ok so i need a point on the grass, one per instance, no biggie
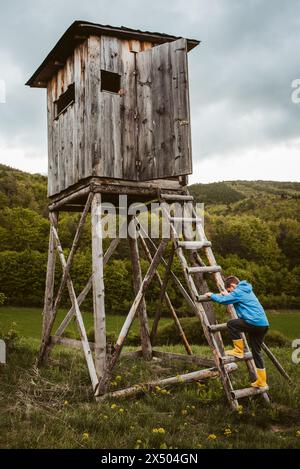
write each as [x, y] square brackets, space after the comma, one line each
[29, 321]
[54, 407]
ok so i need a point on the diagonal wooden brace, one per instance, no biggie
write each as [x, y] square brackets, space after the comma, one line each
[131, 315]
[48, 322]
[81, 327]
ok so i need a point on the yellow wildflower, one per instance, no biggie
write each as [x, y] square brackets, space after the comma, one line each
[113, 406]
[66, 402]
[212, 436]
[85, 436]
[298, 433]
[159, 430]
[121, 410]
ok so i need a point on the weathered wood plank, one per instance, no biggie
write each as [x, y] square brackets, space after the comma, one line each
[179, 379]
[181, 107]
[49, 295]
[93, 122]
[111, 54]
[128, 113]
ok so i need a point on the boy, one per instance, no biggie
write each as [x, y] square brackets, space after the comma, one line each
[251, 319]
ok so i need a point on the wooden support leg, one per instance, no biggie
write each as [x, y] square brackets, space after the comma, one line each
[142, 312]
[98, 287]
[49, 291]
[131, 315]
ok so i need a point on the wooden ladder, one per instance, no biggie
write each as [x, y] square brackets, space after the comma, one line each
[188, 252]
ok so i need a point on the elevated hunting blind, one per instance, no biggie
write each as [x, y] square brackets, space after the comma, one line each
[118, 105]
[119, 124]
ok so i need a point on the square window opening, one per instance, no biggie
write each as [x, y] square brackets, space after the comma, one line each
[65, 100]
[110, 82]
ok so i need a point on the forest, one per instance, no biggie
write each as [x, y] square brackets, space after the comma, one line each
[254, 228]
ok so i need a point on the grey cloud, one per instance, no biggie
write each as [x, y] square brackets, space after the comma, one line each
[240, 76]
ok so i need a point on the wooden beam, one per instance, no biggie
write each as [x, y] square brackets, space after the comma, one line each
[69, 198]
[98, 287]
[179, 379]
[49, 291]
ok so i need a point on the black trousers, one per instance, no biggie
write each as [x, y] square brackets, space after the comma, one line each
[255, 334]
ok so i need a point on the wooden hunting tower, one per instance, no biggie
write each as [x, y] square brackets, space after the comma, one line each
[118, 106]
[119, 124]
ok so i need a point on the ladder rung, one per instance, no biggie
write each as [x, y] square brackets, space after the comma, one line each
[202, 298]
[177, 197]
[186, 219]
[246, 392]
[194, 244]
[231, 359]
[217, 327]
[210, 269]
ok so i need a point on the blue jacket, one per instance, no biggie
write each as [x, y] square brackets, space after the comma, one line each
[246, 304]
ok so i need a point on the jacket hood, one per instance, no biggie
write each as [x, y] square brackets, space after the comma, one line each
[245, 286]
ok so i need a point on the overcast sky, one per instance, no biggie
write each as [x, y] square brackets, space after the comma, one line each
[244, 123]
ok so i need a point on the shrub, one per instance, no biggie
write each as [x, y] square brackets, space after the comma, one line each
[276, 339]
[169, 335]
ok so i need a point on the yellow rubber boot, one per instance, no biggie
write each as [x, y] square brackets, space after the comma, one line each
[261, 381]
[238, 350]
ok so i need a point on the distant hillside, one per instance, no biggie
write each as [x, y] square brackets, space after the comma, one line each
[269, 200]
[20, 189]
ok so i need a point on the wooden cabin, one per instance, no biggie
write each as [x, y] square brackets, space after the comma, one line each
[118, 106]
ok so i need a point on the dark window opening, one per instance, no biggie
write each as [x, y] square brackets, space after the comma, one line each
[110, 81]
[65, 100]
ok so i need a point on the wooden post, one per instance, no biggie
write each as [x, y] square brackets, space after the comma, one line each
[142, 312]
[98, 287]
[49, 292]
[173, 380]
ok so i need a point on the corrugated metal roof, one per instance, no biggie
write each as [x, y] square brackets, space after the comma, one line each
[81, 29]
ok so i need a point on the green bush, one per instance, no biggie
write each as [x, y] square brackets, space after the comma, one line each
[169, 335]
[276, 339]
